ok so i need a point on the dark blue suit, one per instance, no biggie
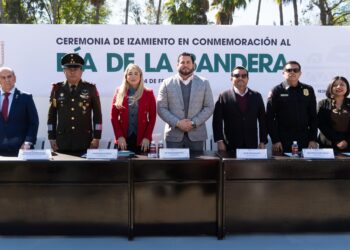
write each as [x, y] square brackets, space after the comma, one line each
[22, 124]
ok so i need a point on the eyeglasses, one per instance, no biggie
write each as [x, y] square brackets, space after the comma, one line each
[295, 70]
[243, 76]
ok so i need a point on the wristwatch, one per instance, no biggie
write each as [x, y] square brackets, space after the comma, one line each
[193, 124]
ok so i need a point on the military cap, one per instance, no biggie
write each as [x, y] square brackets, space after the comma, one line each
[72, 60]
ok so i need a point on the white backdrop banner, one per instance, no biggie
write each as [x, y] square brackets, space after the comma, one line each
[34, 52]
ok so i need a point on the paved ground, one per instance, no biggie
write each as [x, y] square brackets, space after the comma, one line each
[241, 242]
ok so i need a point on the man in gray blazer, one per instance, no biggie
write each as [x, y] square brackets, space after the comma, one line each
[185, 102]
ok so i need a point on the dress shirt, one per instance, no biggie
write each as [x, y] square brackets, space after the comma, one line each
[10, 97]
[239, 93]
[187, 81]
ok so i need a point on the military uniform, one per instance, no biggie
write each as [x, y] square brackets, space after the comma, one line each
[70, 121]
[291, 114]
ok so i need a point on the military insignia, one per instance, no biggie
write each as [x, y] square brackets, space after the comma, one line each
[84, 94]
[54, 102]
[61, 97]
[306, 92]
[84, 97]
[80, 104]
[284, 95]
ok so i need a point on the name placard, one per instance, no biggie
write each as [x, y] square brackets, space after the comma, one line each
[251, 153]
[34, 154]
[321, 153]
[102, 154]
[174, 153]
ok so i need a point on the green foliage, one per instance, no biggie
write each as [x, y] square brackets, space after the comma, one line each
[187, 12]
[226, 9]
[150, 12]
[332, 12]
[14, 11]
[135, 11]
[55, 11]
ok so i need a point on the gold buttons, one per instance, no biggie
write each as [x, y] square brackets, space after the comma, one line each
[73, 127]
[72, 118]
[72, 109]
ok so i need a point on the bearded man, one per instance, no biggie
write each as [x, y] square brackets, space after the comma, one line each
[185, 103]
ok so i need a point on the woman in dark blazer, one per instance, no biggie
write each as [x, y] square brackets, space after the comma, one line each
[334, 116]
[133, 112]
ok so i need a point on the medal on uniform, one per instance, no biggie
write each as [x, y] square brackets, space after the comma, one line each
[84, 94]
[306, 92]
[54, 102]
[61, 97]
[80, 104]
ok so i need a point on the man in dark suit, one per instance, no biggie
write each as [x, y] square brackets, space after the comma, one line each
[75, 117]
[19, 119]
[236, 114]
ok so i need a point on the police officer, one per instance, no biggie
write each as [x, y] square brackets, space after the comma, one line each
[75, 118]
[291, 112]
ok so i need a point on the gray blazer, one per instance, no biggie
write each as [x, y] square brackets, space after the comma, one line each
[170, 107]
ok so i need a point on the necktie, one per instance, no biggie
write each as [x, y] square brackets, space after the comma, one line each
[72, 89]
[5, 106]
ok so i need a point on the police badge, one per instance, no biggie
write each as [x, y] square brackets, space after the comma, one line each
[306, 92]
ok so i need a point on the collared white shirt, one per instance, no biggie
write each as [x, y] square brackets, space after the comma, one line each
[12, 92]
[187, 81]
[287, 86]
[239, 93]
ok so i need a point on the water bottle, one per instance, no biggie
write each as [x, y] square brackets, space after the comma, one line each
[160, 145]
[295, 149]
[152, 149]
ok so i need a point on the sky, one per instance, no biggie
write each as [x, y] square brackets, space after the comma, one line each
[269, 14]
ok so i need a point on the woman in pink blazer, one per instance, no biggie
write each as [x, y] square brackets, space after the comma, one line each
[133, 112]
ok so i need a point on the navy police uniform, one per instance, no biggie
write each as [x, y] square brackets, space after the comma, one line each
[75, 117]
[291, 115]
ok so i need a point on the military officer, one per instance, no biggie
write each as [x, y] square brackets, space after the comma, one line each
[291, 112]
[75, 118]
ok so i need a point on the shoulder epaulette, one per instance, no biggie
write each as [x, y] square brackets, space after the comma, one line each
[56, 86]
